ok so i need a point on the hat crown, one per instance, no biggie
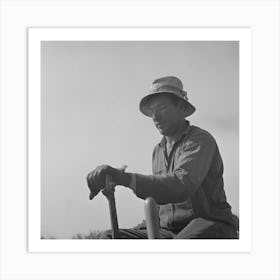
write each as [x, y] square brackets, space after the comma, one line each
[169, 84]
[169, 81]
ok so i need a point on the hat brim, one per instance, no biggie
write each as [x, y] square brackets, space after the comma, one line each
[144, 104]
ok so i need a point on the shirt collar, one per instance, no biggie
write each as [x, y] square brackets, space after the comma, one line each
[184, 132]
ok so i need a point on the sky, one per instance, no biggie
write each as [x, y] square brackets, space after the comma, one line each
[90, 94]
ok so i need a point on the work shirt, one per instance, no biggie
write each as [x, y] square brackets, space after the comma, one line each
[187, 183]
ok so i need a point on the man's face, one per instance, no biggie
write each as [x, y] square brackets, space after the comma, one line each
[166, 115]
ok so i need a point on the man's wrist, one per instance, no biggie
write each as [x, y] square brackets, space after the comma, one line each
[120, 177]
[129, 180]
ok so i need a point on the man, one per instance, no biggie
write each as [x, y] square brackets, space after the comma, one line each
[187, 181]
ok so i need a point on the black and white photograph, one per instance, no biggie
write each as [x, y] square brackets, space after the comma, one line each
[139, 134]
[152, 127]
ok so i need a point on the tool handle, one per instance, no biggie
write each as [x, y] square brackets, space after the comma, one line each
[109, 192]
[110, 189]
[152, 218]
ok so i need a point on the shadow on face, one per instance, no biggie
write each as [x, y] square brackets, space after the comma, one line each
[167, 113]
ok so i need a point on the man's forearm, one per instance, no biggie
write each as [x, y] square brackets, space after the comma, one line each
[166, 188]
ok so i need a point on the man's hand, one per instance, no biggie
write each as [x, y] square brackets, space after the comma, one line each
[96, 178]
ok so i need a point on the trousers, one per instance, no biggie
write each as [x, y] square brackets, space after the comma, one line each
[198, 228]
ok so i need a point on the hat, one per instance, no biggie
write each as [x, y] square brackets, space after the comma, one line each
[169, 84]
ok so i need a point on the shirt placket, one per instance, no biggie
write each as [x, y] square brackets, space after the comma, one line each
[169, 161]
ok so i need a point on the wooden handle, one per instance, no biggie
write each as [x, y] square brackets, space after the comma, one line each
[112, 206]
[109, 193]
[152, 218]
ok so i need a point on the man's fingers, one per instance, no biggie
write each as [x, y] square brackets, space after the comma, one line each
[94, 190]
[89, 180]
[93, 193]
[88, 177]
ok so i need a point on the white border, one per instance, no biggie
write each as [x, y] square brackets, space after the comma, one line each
[243, 35]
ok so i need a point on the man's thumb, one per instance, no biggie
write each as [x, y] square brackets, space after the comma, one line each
[123, 168]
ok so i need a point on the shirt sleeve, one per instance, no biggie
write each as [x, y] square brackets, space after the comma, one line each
[190, 169]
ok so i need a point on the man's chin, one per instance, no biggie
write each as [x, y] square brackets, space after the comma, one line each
[162, 131]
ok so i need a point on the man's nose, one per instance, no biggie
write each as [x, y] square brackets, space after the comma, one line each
[156, 116]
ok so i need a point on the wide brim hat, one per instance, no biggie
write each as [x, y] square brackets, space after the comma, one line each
[171, 85]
